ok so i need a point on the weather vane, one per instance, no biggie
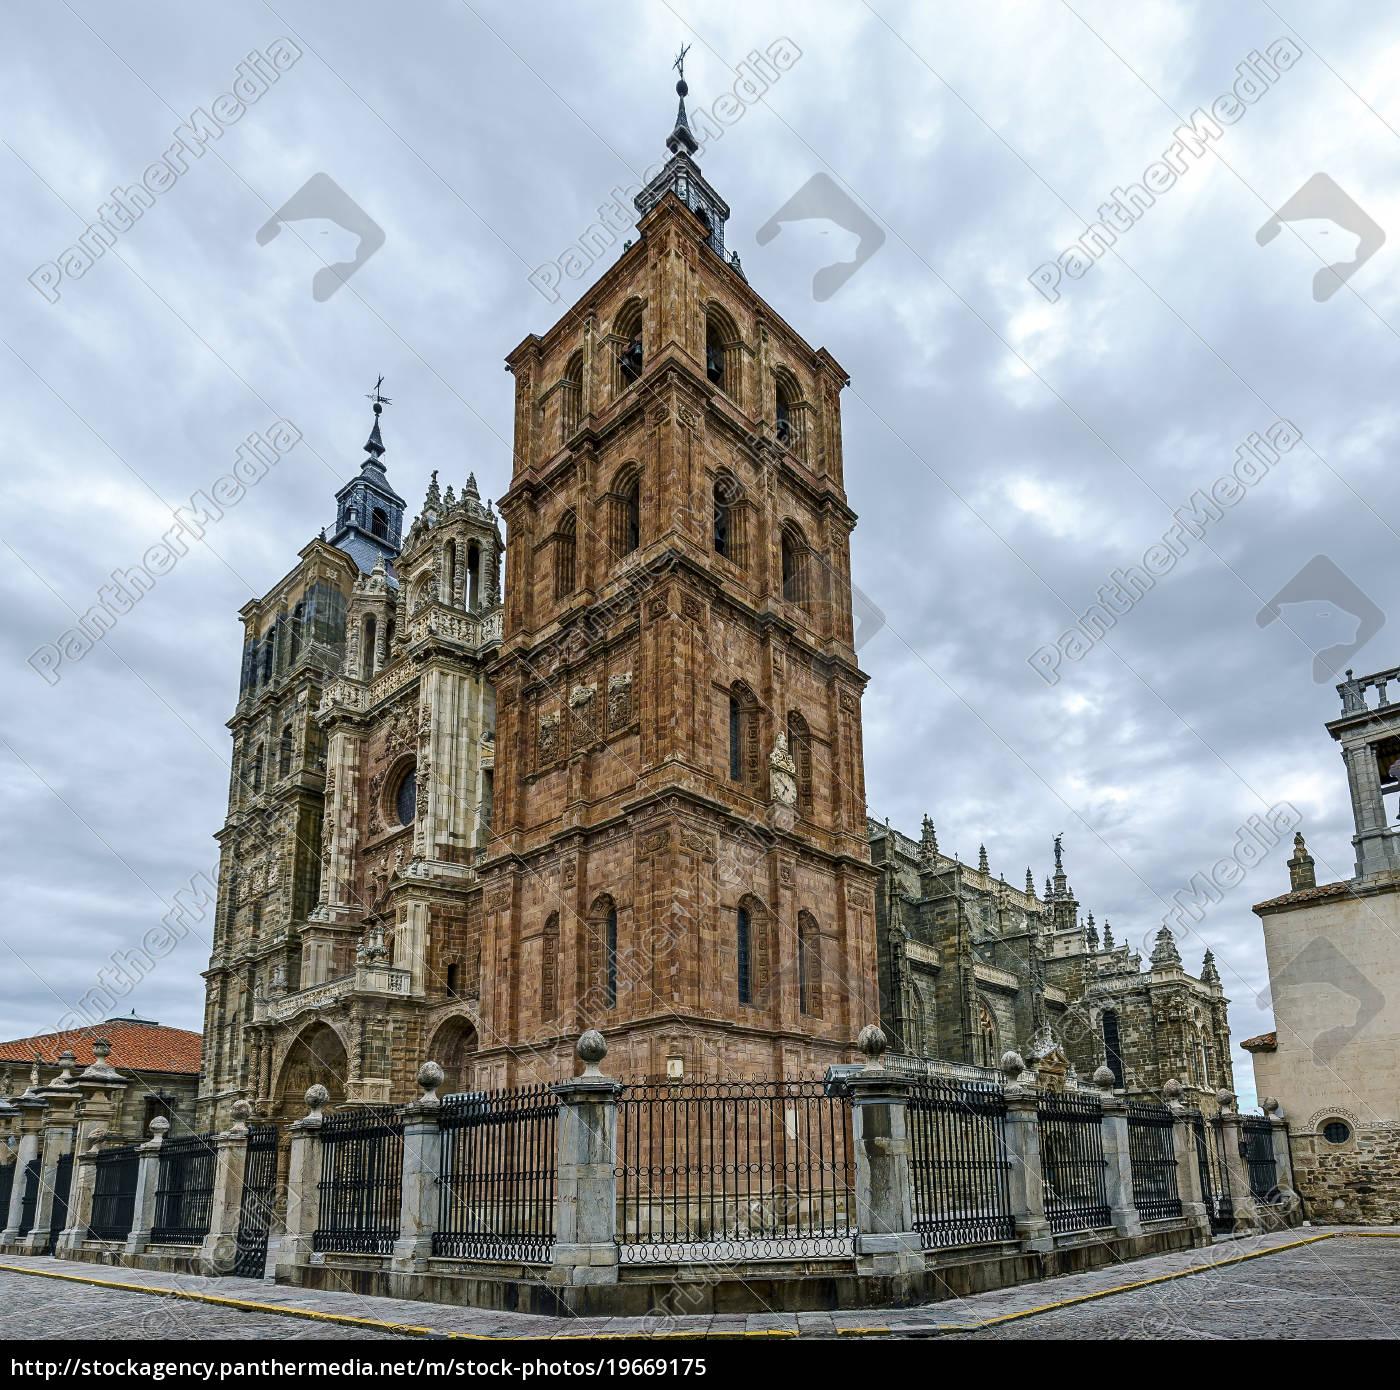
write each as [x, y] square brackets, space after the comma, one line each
[679, 64]
[378, 396]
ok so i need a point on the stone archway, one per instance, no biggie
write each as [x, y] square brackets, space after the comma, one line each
[316, 1057]
[453, 1048]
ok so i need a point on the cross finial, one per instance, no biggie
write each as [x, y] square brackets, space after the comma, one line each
[377, 395]
[679, 64]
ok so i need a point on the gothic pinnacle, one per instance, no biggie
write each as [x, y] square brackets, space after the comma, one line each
[982, 859]
[1030, 882]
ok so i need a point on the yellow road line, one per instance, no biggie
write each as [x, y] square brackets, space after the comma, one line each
[410, 1330]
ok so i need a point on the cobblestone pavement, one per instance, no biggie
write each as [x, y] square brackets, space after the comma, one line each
[1330, 1288]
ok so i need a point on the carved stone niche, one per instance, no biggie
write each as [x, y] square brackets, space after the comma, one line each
[619, 701]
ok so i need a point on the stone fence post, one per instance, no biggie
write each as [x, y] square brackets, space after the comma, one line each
[422, 1162]
[1289, 1201]
[31, 1121]
[1025, 1180]
[585, 1230]
[1118, 1158]
[143, 1216]
[1188, 1164]
[303, 1190]
[886, 1242]
[100, 1084]
[57, 1143]
[1232, 1137]
[219, 1250]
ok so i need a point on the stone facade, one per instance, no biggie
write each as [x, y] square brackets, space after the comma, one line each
[971, 967]
[1333, 1061]
[629, 793]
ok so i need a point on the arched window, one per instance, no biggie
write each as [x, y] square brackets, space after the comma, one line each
[368, 642]
[473, 576]
[800, 746]
[565, 544]
[743, 945]
[729, 518]
[549, 964]
[269, 650]
[571, 398]
[599, 983]
[625, 513]
[610, 958]
[721, 360]
[406, 798]
[379, 523]
[795, 565]
[627, 334]
[809, 965]
[284, 753]
[743, 734]
[915, 1026]
[257, 769]
[294, 634]
[787, 414]
[449, 570]
[1113, 1055]
[986, 1036]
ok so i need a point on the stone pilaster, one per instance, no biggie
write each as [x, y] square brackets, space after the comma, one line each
[1025, 1184]
[303, 1195]
[143, 1216]
[56, 1144]
[1232, 1140]
[219, 1249]
[585, 1245]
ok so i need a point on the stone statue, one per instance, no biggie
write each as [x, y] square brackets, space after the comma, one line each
[782, 773]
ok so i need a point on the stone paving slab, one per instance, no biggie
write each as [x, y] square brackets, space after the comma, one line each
[1313, 1279]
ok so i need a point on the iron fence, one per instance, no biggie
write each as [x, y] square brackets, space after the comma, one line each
[361, 1177]
[496, 1175]
[58, 1212]
[7, 1187]
[257, 1202]
[958, 1163]
[733, 1170]
[1214, 1171]
[29, 1203]
[1152, 1151]
[114, 1193]
[1072, 1160]
[1257, 1150]
[185, 1190]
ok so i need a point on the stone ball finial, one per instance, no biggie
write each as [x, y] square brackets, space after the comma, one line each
[101, 1049]
[591, 1047]
[1225, 1099]
[430, 1077]
[872, 1041]
[1171, 1090]
[159, 1126]
[316, 1097]
[1268, 1105]
[1012, 1065]
[1104, 1078]
[242, 1111]
[94, 1141]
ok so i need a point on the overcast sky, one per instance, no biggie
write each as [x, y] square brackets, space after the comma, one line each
[1006, 454]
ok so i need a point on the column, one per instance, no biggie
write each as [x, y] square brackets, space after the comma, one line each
[101, 1085]
[31, 1110]
[56, 1143]
[422, 1162]
[143, 1217]
[219, 1250]
[1024, 1180]
[1232, 1136]
[1118, 1160]
[303, 1192]
[886, 1242]
[1188, 1165]
[585, 1243]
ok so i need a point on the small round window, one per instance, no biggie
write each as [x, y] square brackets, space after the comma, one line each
[1336, 1131]
[407, 800]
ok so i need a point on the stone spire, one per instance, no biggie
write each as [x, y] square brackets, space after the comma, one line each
[1030, 882]
[1108, 942]
[1301, 872]
[1164, 953]
[1091, 932]
[470, 491]
[982, 859]
[369, 513]
[681, 140]
[928, 842]
[1209, 974]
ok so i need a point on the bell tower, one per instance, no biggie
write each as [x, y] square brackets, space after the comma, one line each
[678, 852]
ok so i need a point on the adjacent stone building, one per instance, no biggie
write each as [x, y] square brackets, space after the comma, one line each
[627, 794]
[1333, 1059]
[971, 967]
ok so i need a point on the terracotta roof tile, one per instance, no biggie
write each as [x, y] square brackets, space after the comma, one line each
[1304, 895]
[1265, 1042]
[135, 1047]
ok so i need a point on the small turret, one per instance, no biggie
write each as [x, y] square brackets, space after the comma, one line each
[1302, 873]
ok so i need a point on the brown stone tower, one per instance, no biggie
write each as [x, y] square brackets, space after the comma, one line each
[678, 852]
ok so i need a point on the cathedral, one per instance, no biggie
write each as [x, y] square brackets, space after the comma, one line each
[485, 797]
[971, 967]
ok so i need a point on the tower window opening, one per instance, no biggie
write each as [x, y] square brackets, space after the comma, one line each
[743, 950]
[736, 733]
[473, 576]
[370, 641]
[379, 523]
[1112, 1046]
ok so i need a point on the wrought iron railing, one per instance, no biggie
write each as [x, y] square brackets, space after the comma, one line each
[733, 1170]
[1152, 1151]
[184, 1190]
[361, 1177]
[29, 1203]
[114, 1193]
[1257, 1150]
[58, 1212]
[496, 1177]
[1072, 1160]
[1214, 1171]
[7, 1187]
[958, 1163]
[257, 1203]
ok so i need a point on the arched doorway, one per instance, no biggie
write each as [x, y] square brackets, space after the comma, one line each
[317, 1057]
[454, 1050]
